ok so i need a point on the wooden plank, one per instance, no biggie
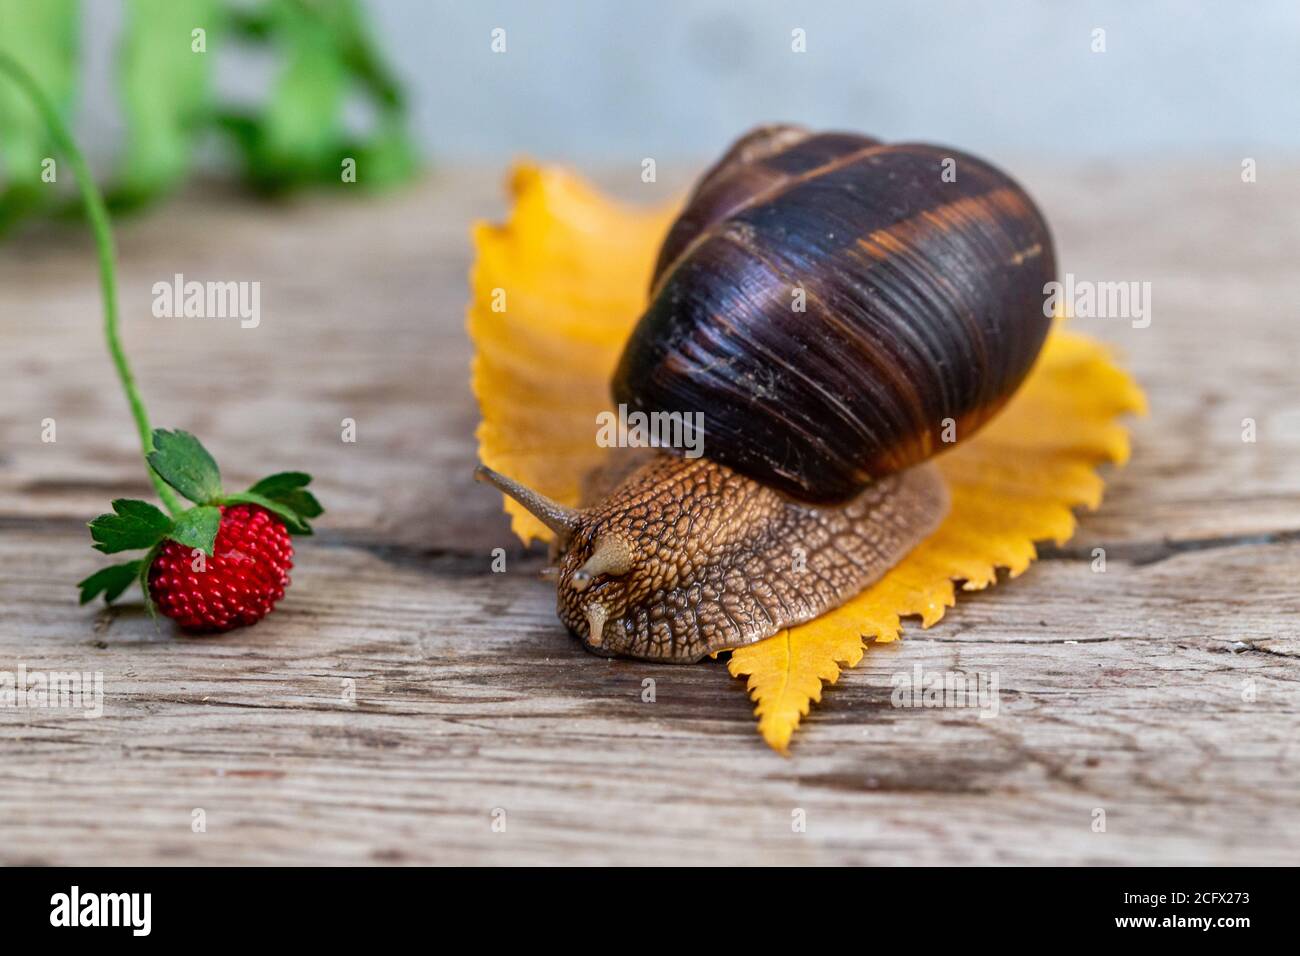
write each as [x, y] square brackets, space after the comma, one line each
[1177, 711]
[471, 698]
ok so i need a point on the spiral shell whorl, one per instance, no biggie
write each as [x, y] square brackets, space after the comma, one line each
[923, 307]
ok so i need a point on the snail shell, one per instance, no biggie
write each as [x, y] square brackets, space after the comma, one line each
[834, 305]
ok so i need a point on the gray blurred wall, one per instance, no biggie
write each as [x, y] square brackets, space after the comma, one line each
[618, 81]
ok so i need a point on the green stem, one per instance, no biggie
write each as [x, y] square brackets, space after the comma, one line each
[99, 226]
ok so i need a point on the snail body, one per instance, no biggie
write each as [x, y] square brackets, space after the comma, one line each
[839, 311]
[686, 557]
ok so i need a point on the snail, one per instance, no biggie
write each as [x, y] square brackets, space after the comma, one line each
[839, 310]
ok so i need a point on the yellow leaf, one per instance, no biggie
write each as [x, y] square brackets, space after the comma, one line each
[1014, 483]
[555, 292]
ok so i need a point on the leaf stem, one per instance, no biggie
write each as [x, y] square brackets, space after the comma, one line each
[103, 233]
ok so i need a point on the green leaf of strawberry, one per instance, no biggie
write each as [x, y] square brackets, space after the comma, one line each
[289, 488]
[182, 461]
[197, 528]
[136, 524]
[302, 501]
[285, 495]
[292, 519]
[111, 581]
[273, 486]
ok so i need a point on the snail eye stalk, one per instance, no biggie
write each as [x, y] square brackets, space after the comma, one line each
[610, 555]
[563, 521]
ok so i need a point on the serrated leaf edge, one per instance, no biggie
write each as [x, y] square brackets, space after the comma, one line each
[85, 598]
[152, 457]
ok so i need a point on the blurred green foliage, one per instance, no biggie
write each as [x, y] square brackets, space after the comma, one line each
[166, 91]
[42, 37]
[325, 59]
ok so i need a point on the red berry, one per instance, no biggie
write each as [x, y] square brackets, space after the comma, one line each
[239, 585]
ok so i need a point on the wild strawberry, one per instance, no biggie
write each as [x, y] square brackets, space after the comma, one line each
[220, 564]
[237, 586]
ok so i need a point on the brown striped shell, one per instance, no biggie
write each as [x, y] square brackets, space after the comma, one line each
[837, 308]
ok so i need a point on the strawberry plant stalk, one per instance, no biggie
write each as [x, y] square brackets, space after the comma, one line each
[103, 233]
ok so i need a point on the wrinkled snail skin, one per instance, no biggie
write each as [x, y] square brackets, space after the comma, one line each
[696, 558]
[682, 558]
[922, 313]
[922, 307]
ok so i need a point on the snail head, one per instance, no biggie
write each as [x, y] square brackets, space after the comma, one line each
[600, 572]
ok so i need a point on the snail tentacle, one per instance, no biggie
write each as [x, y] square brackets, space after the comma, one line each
[596, 615]
[611, 554]
[563, 521]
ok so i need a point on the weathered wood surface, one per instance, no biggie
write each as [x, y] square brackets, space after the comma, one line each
[1165, 691]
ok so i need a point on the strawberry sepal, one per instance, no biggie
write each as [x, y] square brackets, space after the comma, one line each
[133, 524]
[180, 459]
[110, 581]
[197, 528]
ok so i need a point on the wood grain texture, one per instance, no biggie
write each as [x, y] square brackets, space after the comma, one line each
[1165, 691]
